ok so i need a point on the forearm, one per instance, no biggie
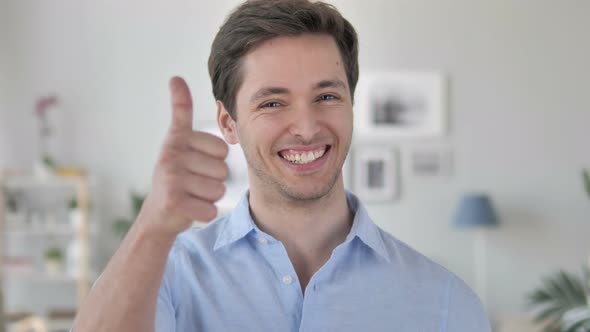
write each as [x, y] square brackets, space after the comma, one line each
[188, 179]
[125, 296]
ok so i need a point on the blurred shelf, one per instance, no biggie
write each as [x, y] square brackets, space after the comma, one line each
[54, 321]
[47, 222]
[31, 182]
[57, 230]
[60, 325]
[42, 276]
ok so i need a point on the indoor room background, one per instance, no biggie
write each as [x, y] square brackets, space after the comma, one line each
[517, 116]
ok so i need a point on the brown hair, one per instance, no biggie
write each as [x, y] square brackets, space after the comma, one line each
[256, 21]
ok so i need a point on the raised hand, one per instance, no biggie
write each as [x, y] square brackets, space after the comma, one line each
[189, 175]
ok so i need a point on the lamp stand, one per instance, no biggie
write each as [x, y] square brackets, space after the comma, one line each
[479, 263]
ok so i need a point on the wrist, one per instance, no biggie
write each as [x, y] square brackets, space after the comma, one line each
[152, 229]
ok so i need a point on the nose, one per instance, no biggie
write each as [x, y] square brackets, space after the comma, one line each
[304, 123]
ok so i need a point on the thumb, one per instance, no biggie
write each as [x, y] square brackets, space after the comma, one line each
[182, 105]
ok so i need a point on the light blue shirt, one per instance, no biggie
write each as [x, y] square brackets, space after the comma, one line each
[230, 276]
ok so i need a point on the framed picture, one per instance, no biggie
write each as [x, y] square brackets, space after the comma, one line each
[431, 161]
[376, 173]
[400, 105]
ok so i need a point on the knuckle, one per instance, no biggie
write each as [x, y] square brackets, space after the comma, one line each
[210, 211]
[175, 141]
[174, 138]
[167, 157]
[222, 190]
[202, 212]
[224, 149]
[224, 171]
[217, 190]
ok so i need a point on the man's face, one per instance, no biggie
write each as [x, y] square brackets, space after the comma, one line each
[294, 116]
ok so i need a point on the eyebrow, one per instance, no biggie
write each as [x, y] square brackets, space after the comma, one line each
[268, 91]
[334, 83]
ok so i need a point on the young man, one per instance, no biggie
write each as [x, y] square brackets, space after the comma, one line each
[298, 253]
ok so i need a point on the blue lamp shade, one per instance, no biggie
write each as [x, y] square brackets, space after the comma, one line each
[475, 210]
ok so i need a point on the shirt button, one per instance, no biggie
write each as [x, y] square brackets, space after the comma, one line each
[287, 280]
[262, 240]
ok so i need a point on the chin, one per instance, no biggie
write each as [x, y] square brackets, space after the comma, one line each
[303, 196]
[309, 192]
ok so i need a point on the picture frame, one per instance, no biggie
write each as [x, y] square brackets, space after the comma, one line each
[431, 161]
[376, 173]
[400, 104]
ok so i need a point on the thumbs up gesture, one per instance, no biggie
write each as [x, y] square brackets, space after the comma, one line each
[190, 171]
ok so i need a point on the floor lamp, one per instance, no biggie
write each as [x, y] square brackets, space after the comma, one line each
[475, 211]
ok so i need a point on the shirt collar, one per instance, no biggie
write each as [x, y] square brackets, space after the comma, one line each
[364, 228]
[237, 225]
[240, 223]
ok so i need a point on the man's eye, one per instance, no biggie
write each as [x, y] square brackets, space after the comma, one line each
[271, 104]
[327, 97]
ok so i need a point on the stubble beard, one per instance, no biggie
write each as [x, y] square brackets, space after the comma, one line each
[272, 185]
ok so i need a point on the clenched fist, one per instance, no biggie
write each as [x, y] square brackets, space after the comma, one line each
[190, 172]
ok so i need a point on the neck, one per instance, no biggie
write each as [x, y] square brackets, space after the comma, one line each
[309, 229]
[314, 222]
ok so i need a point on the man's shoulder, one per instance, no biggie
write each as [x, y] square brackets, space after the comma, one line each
[419, 269]
[199, 239]
[417, 266]
[407, 258]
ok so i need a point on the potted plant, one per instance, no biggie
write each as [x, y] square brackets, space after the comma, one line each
[74, 213]
[563, 301]
[122, 225]
[54, 258]
[73, 251]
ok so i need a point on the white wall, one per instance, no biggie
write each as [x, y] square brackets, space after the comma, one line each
[4, 86]
[519, 112]
[520, 130]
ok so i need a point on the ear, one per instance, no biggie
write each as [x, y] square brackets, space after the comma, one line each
[226, 124]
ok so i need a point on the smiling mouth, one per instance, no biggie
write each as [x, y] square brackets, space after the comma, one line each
[303, 157]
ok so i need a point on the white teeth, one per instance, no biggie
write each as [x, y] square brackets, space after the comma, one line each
[304, 157]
